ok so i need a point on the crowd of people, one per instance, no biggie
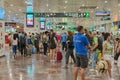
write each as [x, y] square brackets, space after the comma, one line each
[82, 47]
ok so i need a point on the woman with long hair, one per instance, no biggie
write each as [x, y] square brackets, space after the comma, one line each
[69, 47]
[53, 45]
[14, 45]
[117, 50]
[107, 52]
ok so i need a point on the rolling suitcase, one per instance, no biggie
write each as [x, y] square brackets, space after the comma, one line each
[59, 56]
[29, 50]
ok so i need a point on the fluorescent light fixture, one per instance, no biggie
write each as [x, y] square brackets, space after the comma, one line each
[9, 11]
[47, 5]
[79, 9]
[11, 5]
[66, 1]
[83, 4]
[20, 9]
[97, 7]
[106, 1]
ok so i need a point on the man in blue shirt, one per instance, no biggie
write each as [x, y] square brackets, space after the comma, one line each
[64, 39]
[81, 45]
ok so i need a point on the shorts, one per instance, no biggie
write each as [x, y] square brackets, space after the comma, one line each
[108, 57]
[52, 46]
[81, 61]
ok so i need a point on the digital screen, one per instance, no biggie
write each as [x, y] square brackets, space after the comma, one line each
[29, 8]
[102, 13]
[42, 19]
[30, 19]
[2, 14]
[42, 25]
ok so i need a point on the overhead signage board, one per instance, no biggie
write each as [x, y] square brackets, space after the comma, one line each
[75, 15]
[30, 20]
[102, 13]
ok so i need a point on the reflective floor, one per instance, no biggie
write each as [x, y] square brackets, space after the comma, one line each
[38, 67]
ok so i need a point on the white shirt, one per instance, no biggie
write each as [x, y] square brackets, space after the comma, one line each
[15, 42]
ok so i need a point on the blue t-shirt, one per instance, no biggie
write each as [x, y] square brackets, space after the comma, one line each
[64, 38]
[80, 43]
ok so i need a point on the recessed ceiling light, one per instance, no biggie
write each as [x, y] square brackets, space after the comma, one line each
[79, 9]
[97, 7]
[11, 5]
[20, 9]
[118, 4]
[106, 1]
[109, 9]
[16, 14]
[66, 1]
[64, 7]
[47, 5]
[9, 11]
[83, 4]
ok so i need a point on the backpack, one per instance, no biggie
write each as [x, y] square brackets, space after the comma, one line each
[23, 40]
[29, 41]
[100, 42]
[70, 43]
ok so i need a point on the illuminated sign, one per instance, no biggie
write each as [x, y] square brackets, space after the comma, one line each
[75, 15]
[2, 14]
[29, 8]
[42, 25]
[30, 20]
[102, 13]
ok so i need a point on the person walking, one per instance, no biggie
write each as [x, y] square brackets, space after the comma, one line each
[106, 52]
[14, 45]
[64, 39]
[53, 45]
[45, 42]
[70, 48]
[117, 51]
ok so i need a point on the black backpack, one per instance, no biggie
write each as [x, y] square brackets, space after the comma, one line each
[100, 42]
[23, 40]
[70, 42]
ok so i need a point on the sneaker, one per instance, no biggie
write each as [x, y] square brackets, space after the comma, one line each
[65, 67]
[112, 79]
[115, 62]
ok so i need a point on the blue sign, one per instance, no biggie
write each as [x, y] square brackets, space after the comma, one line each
[2, 14]
[42, 19]
[29, 8]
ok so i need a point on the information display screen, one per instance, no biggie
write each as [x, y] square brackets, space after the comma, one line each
[42, 25]
[30, 20]
[102, 13]
[29, 8]
[2, 14]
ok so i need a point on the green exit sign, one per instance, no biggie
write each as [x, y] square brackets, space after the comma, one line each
[87, 15]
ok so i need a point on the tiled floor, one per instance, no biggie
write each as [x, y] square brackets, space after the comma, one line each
[38, 67]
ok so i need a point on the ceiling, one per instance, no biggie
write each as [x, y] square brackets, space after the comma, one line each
[16, 8]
